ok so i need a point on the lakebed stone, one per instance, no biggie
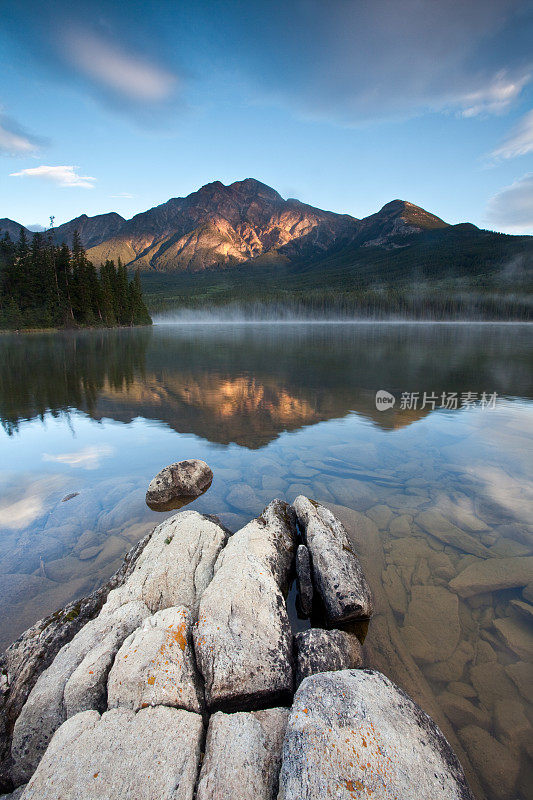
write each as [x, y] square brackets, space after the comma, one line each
[337, 573]
[431, 624]
[441, 528]
[318, 650]
[155, 665]
[243, 755]
[492, 575]
[497, 767]
[151, 755]
[179, 483]
[242, 639]
[355, 734]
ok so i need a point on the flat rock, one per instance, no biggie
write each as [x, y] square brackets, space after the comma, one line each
[355, 734]
[432, 620]
[319, 650]
[173, 569]
[50, 701]
[495, 765]
[243, 755]
[303, 580]
[524, 609]
[493, 575]
[179, 483]
[243, 640]
[151, 755]
[441, 528]
[521, 674]
[337, 573]
[156, 666]
[462, 712]
[517, 636]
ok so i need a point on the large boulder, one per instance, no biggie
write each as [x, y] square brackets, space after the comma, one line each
[492, 575]
[151, 755]
[33, 652]
[156, 665]
[176, 565]
[337, 573]
[243, 755]
[243, 639]
[47, 708]
[173, 569]
[318, 650]
[355, 734]
[304, 580]
[178, 484]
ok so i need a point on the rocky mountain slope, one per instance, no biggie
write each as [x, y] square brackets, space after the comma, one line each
[222, 226]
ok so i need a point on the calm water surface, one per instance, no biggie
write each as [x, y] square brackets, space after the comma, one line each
[278, 410]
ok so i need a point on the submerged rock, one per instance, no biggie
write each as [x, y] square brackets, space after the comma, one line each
[318, 650]
[178, 484]
[156, 666]
[337, 573]
[493, 575]
[441, 528]
[243, 639]
[151, 755]
[431, 624]
[303, 580]
[243, 755]
[355, 734]
[495, 764]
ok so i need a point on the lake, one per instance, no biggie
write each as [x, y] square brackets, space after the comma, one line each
[435, 485]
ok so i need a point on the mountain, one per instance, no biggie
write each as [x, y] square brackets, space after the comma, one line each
[13, 228]
[248, 227]
[221, 226]
[92, 230]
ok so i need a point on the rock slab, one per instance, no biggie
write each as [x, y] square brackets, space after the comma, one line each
[151, 755]
[156, 666]
[179, 483]
[492, 575]
[337, 573]
[243, 755]
[318, 650]
[355, 734]
[243, 639]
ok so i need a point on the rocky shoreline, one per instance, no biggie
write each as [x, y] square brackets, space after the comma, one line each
[182, 677]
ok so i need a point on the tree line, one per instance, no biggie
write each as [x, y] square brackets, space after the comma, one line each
[43, 285]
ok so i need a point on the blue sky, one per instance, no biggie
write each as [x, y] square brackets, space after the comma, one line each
[345, 105]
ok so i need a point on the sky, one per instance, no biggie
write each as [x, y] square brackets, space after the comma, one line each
[344, 104]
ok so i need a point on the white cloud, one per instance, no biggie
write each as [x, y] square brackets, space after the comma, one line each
[520, 140]
[62, 176]
[496, 97]
[126, 195]
[511, 209]
[87, 458]
[21, 513]
[112, 67]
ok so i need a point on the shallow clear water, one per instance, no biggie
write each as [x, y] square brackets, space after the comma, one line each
[278, 410]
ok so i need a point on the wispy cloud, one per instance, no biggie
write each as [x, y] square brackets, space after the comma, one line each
[62, 176]
[520, 140]
[511, 209]
[126, 195]
[88, 457]
[115, 68]
[15, 141]
[496, 96]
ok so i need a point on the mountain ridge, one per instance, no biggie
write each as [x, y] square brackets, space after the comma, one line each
[249, 224]
[220, 226]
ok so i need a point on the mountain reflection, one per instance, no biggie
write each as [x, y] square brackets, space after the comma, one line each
[247, 384]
